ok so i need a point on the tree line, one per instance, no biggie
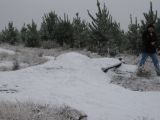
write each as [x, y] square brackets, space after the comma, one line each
[102, 35]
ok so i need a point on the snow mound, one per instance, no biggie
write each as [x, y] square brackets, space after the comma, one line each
[79, 67]
[73, 58]
[7, 51]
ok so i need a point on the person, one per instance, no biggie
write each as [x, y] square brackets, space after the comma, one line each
[149, 45]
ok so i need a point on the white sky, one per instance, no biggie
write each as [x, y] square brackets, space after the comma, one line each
[23, 11]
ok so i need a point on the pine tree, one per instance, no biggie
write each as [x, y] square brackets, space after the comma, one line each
[48, 26]
[134, 36]
[80, 32]
[24, 33]
[64, 32]
[103, 30]
[4, 35]
[1, 37]
[150, 17]
[158, 30]
[32, 39]
[10, 34]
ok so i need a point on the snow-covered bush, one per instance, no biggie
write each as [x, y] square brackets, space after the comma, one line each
[32, 111]
[16, 65]
[20, 59]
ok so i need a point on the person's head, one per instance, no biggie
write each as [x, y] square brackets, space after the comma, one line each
[150, 28]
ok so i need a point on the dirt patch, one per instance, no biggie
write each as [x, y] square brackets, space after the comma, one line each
[129, 79]
[146, 82]
[137, 84]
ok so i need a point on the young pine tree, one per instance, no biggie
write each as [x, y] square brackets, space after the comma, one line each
[24, 33]
[10, 34]
[64, 32]
[32, 39]
[48, 26]
[80, 32]
[150, 17]
[158, 30]
[134, 36]
[103, 30]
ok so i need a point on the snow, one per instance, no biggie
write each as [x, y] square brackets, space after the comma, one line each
[77, 80]
[10, 52]
[8, 64]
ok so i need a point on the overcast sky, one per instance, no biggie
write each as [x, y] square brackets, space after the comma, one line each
[23, 11]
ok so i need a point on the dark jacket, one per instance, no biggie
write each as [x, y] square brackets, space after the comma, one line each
[147, 41]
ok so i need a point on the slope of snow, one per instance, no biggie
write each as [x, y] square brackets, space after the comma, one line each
[77, 80]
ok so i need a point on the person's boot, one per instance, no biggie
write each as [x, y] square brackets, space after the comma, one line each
[158, 72]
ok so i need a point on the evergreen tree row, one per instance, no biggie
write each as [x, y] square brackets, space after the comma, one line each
[102, 35]
[134, 33]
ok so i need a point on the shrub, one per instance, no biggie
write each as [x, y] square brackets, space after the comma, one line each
[32, 111]
[49, 44]
[16, 65]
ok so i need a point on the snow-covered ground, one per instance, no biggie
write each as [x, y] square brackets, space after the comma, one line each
[78, 81]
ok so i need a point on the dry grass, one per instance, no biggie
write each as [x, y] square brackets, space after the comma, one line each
[31, 111]
[21, 59]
